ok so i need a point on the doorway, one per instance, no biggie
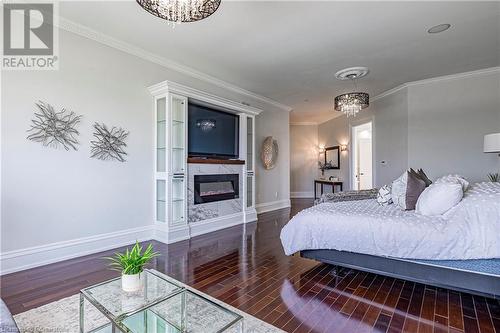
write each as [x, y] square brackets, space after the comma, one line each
[362, 156]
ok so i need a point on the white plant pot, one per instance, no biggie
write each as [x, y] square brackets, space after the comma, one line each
[131, 282]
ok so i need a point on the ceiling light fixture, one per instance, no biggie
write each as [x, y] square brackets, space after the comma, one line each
[179, 11]
[351, 103]
[439, 28]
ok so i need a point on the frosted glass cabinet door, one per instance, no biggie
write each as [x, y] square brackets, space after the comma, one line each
[161, 136]
[249, 161]
[161, 200]
[178, 134]
[249, 191]
[178, 201]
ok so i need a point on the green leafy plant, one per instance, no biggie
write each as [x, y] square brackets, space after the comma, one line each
[324, 166]
[494, 177]
[132, 261]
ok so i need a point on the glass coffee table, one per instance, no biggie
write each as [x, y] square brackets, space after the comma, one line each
[161, 306]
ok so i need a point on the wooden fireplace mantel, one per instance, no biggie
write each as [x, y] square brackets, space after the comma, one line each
[198, 160]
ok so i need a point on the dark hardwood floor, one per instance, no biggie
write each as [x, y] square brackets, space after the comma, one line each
[246, 267]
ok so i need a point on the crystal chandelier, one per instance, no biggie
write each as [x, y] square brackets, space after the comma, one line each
[351, 103]
[179, 11]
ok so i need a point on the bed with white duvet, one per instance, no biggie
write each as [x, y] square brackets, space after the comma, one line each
[470, 230]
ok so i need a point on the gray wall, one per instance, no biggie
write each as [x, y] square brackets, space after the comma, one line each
[51, 195]
[335, 132]
[390, 132]
[437, 125]
[303, 159]
[273, 185]
[391, 136]
[447, 122]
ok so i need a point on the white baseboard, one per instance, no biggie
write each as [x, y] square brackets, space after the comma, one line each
[273, 205]
[218, 223]
[173, 235]
[297, 195]
[18, 260]
[250, 215]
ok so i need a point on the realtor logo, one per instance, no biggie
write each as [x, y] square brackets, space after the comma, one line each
[29, 36]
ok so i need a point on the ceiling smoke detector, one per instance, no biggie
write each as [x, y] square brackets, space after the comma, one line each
[352, 73]
[439, 28]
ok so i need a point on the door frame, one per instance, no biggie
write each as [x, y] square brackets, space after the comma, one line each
[352, 124]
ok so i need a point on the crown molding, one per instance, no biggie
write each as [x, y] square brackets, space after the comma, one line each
[437, 79]
[165, 87]
[99, 37]
[303, 123]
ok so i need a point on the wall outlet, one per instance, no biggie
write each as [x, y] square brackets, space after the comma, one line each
[276, 195]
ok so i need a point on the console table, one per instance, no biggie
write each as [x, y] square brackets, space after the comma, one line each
[323, 182]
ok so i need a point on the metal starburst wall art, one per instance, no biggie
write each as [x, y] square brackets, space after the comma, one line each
[109, 144]
[54, 129]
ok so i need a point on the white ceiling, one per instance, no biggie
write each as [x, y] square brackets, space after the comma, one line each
[289, 50]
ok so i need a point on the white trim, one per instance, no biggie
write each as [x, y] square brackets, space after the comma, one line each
[22, 259]
[304, 123]
[436, 79]
[218, 223]
[273, 205]
[171, 234]
[17, 260]
[303, 194]
[356, 123]
[107, 40]
[250, 215]
[227, 104]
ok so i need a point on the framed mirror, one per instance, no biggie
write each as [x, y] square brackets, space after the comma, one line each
[332, 157]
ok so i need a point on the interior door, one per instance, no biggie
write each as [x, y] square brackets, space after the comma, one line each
[365, 164]
[362, 144]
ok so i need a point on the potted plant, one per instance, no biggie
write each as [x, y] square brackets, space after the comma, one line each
[324, 166]
[494, 177]
[131, 264]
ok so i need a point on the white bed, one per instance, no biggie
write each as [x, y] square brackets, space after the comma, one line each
[470, 230]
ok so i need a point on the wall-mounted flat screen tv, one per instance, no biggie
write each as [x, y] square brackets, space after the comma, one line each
[212, 133]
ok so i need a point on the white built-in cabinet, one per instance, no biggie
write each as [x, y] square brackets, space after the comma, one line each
[171, 162]
[171, 155]
[250, 163]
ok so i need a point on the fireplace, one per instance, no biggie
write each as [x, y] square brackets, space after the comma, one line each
[211, 188]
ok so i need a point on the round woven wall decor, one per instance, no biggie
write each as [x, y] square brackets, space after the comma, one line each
[269, 153]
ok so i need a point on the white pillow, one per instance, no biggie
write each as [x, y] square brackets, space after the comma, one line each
[456, 179]
[384, 197]
[438, 198]
[406, 190]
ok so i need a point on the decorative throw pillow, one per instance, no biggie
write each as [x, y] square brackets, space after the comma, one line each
[456, 179]
[426, 179]
[406, 190]
[384, 197]
[438, 198]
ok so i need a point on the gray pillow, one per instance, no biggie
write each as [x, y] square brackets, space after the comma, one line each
[424, 177]
[406, 190]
